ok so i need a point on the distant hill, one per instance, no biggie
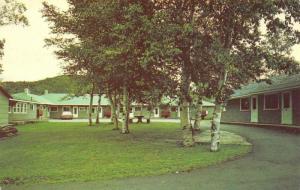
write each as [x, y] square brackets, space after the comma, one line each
[59, 84]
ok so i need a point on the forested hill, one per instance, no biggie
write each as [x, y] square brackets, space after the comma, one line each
[59, 84]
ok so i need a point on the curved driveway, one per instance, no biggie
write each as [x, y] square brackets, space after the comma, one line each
[273, 164]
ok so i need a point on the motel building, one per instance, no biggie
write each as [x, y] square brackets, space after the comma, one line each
[25, 107]
[275, 104]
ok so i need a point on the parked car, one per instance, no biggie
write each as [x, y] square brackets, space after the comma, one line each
[66, 115]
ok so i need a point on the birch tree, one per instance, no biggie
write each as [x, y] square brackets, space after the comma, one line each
[240, 51]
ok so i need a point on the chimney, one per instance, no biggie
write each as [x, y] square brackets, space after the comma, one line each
[46, 92]
[26, 90]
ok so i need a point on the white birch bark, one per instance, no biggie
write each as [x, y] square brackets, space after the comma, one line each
[216, 122]
[125, 127]
[188, 138]
[215, 128]
[198, 114]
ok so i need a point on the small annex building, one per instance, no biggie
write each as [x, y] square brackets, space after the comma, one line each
[277, 103]
[27, 107]
[4, 106]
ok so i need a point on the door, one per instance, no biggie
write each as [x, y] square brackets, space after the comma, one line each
[286, 108]
[254, 109]
[100, 112]
[75, 112]
[156, 112]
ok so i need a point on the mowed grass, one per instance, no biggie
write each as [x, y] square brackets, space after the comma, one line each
[66, 152]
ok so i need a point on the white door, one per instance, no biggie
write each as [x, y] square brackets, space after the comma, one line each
[100, 112]
[131, 112]
[254, 109]
[156, 112]
[286, 108]
[75, 112]
[178, 112]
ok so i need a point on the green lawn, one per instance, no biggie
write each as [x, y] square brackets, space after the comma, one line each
[65, 152]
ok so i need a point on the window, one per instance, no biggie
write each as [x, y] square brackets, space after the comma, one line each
[25, 108]
[21, 108]
[18, 108]
[156, 111]
[9, 109]
[32, 107]
[66, 109]
[254, 102]
[286, 100]
[82, 108]
[244, 104]
[271, 102]
[53, 109]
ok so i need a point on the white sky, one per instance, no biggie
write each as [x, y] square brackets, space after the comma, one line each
[26, 58]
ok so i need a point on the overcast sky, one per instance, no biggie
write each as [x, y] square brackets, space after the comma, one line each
[26, 58]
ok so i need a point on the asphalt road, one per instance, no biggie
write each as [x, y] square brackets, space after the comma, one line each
[273, 164]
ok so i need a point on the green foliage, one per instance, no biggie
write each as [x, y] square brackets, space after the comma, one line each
[59, 84]
[70, 152]
[12, 12]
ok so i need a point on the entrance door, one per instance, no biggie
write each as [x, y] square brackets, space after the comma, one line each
[75, 112]
[286, 108]
[254, 109]
[156, 112]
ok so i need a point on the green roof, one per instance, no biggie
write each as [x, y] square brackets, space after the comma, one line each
[278, 83]
[65, 99]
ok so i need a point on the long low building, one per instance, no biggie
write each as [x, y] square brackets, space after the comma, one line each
[261, 103]
[27, 107]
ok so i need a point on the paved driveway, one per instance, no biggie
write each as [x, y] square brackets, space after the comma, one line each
[273, 164]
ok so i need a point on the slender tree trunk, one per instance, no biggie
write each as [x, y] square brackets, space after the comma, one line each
[216, 122]
[188, 138]
[188, 135]
[125, 124]
[98, 109]
[114, 115]
[215, 128]
[117, 115]
[112, 106]
[91, 105]
[150, 110]
[198, 114]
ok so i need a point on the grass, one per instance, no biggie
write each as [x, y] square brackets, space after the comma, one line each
[66, 152]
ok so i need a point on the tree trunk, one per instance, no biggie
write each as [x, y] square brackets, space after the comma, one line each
[114, 115]
[188, 135]
[188, 138]
[98, 109]
[150, 110]
[125, 124]
[117, 116]
[91, 105]
[216, 122]
[215, 128]
[198, 114]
